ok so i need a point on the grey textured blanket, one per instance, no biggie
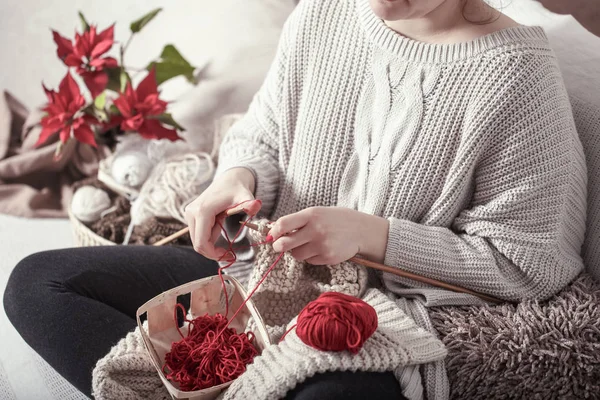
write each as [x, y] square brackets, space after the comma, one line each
[548, 350]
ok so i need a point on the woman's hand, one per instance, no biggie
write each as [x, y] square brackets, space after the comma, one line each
[330, 235]
[233, 187]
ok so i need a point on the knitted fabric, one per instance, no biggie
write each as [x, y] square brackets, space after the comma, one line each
[397, 342]
[127, 373]
[292, 284]
[469, 150]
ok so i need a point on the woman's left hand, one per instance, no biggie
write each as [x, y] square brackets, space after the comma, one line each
[330, 235]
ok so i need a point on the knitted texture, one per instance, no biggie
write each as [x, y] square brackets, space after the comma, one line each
[293, 284]
[127, 373]
[587, 118]
[398, 341]
[469, 150]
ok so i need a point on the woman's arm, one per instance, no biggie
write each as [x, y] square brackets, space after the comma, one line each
[522, 234]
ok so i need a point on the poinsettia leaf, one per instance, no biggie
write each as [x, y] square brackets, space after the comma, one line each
[84, 24]
[167, 119]
[172, 64]
[114, 79]
[114, 110]
[100, 101]
[137, 26]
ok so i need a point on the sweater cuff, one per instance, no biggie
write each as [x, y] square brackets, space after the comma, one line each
[266, 179]
[408, 241]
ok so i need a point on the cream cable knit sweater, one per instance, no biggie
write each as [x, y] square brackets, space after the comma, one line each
[469, 150]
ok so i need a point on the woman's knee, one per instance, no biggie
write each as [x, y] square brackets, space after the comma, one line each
[24, 284]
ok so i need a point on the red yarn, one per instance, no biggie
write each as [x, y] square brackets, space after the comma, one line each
[212, 353]
[203, 358]
[336, 322]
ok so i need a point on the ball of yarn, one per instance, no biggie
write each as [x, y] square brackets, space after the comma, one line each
[131, 168]
[88, 203]
[336, 322]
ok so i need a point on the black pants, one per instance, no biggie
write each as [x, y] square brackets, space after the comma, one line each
[73, 305]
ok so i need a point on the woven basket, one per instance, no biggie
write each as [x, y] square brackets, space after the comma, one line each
[84, 236]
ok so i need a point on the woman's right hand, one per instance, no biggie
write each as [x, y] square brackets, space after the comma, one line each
[234, 186]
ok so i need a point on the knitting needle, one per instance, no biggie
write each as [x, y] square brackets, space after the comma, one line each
[409, 275]
[180, 233]
[361, 261]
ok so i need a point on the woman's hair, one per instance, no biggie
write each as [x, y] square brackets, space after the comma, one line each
[494, 14]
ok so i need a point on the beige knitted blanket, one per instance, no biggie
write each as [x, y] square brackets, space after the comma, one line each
[127, 373]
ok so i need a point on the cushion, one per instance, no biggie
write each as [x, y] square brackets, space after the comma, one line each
[531, 350]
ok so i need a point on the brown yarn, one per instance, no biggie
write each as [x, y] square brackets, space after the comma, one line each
[113, 226]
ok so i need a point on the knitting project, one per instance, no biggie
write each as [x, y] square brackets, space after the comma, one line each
[290, 286]
[293, 284]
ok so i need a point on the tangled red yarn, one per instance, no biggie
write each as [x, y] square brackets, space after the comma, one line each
[210, 354]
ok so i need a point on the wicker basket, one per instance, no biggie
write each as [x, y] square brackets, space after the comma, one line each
[84, 236]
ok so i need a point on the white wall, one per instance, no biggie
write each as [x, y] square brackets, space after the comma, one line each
[200, 29]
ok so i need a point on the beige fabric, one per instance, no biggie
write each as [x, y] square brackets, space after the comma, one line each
[32, 183]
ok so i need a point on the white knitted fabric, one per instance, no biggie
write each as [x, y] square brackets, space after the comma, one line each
[127, 373]
[587, 118]
[398, 341]
[469, 150]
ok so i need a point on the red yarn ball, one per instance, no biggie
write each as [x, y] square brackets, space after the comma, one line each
[336, 322]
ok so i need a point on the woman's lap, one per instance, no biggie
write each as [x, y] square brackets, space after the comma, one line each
[72, 305]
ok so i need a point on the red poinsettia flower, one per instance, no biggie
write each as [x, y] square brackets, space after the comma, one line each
[86, 56]
[139, 109]
[64, 115]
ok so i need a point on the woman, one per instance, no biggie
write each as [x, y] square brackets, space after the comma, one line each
[435, 136]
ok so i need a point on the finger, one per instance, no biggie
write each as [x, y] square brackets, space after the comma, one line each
[316, 260]
[192, 227]
[203, 234]
[305, 252]
[288, 223]
[215, 234]
[253, 207]
[292, 240]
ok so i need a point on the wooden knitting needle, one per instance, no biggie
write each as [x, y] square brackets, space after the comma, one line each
[178, 234]
[409, 275]
[361, 261]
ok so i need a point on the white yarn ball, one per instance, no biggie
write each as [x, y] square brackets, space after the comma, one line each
[131, 168]
[88, 203]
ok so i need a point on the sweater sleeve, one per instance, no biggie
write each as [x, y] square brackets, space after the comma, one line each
[521, 234]
[253, 141]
